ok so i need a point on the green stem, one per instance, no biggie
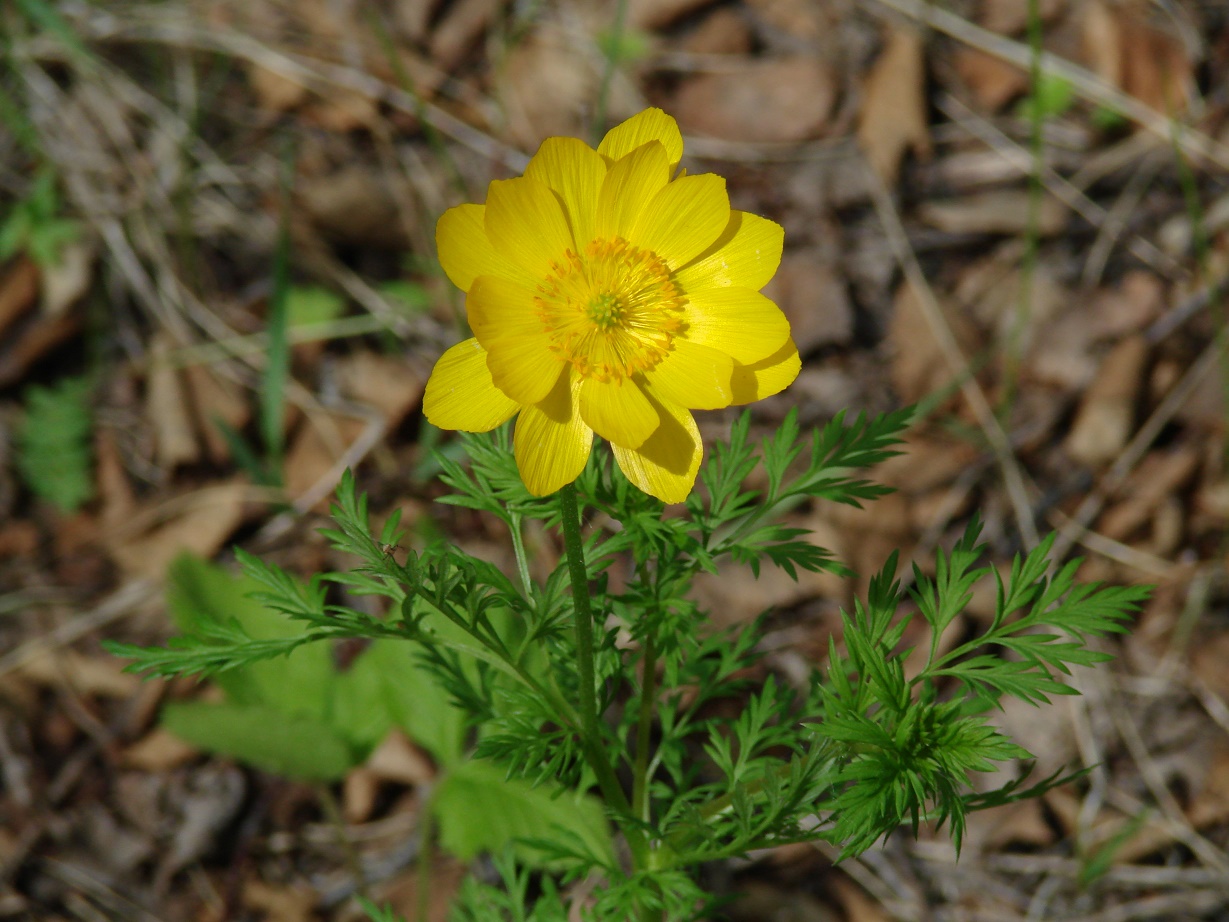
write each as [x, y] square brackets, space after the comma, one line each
[613, 59]
[522, 559]
[644, 727]
[591, 735]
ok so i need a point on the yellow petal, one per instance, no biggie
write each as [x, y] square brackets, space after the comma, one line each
[504, 319]
[740, 322]
[526, 224]
[693, 376]
[464, 249]
[618, 411]
[665, 465]
[683, 219]
[766, 377]
[746, 254]
[649, 125]
[574, 170]
[630, 185]
[460, 393]
[551, 442]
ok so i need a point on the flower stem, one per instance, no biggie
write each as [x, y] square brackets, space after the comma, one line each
[592, 738]
[644, 728]
[644, 731]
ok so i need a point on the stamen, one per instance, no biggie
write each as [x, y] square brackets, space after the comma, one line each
[612, 312]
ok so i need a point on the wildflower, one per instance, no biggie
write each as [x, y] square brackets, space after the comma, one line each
[606, 296]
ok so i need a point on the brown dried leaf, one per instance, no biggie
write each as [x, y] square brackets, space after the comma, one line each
[210, 517]
[215, 400]
[857, 905]
[925, 463]
[342, 111]
[999, 212]
[992, 81]
[1210, 662]
[735, 595]
[413, 17]
[893, 116]
[36, 335]
[210, 801]
[65, 282]
[1159, 475]
[1008, 17]
[158, 751]
[18, 291]
[1210, 806]
[460, 29]
[779, 100]
[445, 878]
[1106, 416]
[799, 19]
[18, 538]
[354, 205]
[723, 31]
[653, 14]
[918, 363]
[398, 759]
[317, 446]
[87, 675]
[546, 84]
[388, 384]
[814, 298]
[280, 902]
[1123, 46]
[275, 92]
[1064, 350]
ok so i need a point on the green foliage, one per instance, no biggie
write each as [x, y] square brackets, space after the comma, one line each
[319, 721]
[412, 297]
[727, 767]
[1096, 863]
[34, 226]
[1052, 97]
[44, 17]
[624, 46]
[480, 902]
[54, 455]
[480, 810]
[904, 751]
[309, 305]
[247, 633]
[290, 744]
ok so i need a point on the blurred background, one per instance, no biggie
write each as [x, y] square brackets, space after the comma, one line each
[219, 289]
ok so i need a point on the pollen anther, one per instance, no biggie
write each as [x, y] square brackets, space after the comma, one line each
[611, 312]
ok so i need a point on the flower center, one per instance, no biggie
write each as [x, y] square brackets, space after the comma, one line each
[612, 311]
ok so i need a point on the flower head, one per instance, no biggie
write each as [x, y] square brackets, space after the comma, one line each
[608, 295]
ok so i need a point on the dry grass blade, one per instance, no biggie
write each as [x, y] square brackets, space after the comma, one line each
[1153, 777]
[1088, 86]
[172, 27]
[1057, 185]
[118, 605]
[957, 363]
[1073, 532]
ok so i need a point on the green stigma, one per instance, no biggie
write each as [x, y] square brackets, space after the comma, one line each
[605, 310]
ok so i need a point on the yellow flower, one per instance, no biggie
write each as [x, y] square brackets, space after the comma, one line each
[607, 297]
